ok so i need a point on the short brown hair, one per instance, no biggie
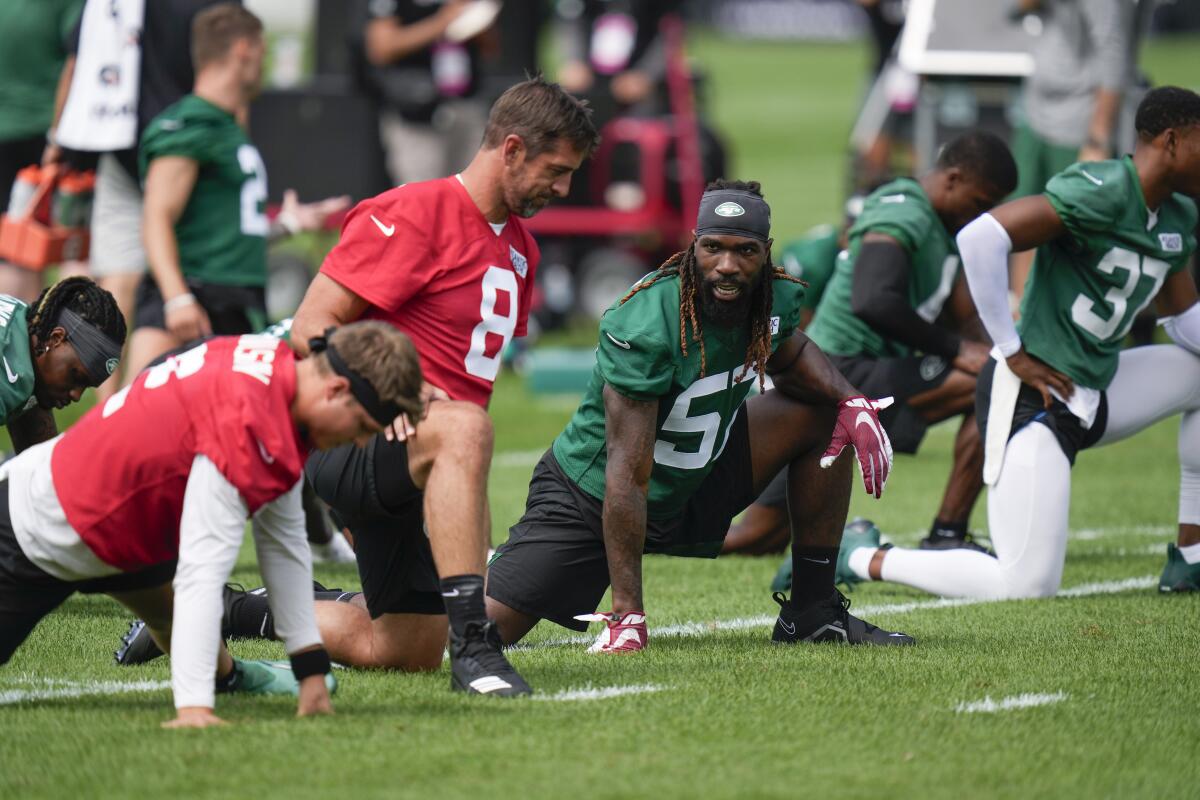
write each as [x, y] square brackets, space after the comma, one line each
[386, 358]
[215, 29]
[541, 113]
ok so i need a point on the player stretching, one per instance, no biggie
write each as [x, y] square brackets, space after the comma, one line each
[660, 456]
[69, 340]
[168, 470]
[1110, 237]
[449, 263]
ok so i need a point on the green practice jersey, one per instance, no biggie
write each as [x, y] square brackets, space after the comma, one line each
[16, 390]
[34, 37]
[900, 210]
[812, 259]
[222, 232]
[1087, 286]
[639, 356]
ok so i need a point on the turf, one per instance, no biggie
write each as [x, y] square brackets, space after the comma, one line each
[722, 713]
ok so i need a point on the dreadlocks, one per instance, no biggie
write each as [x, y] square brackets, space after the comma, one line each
[84, 297]
[758, 322]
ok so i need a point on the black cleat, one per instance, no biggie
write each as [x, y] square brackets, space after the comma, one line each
[137, 646]
[829, 620]
[478, 665]
[952, 540]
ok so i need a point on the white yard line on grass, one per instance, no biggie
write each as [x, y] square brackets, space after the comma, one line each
[600, 693]
[60, 689]
[742, 623]
[988, 706]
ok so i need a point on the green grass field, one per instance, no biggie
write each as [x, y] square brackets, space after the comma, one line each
[712, 709]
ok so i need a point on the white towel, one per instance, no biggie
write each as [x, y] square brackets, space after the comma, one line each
[101, 110]
[1001, 406]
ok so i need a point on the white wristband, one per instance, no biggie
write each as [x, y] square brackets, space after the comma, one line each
[179, 301]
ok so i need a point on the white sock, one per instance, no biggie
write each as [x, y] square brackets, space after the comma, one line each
[860, 561]
[1190, 553]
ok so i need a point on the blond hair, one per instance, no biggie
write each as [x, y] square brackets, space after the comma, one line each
[386, 358]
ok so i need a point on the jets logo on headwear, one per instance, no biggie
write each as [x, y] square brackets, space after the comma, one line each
[729, 209]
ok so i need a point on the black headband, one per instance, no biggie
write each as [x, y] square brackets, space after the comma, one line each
[735, 212]
[98, 353]
[360, 387]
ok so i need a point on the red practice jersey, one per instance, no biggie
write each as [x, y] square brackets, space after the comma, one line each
[120, 472]
[428, 262]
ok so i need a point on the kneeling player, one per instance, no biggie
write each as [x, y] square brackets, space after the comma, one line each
[169, 469]
[661, 454]
[1109, 235]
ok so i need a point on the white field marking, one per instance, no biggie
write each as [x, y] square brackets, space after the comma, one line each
[600, 693]
[59, 689]
[517, 458]
[988, 706]
[765, 620]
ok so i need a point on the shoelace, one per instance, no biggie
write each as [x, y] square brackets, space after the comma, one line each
[486, 654]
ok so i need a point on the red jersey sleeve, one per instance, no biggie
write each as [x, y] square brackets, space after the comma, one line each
[535, 257]
[383, 256]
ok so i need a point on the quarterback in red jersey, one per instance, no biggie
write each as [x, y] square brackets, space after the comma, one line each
[450, 263]
[158, 482]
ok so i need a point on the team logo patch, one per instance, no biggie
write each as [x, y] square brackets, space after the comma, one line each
[111, 365]
[1171, 242]
[931, 367]
[729, 209]
[519, 263]
[774, 325]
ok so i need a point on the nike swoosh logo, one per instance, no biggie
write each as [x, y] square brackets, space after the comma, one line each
[455, 593]
[12, 377]
[262, 451]
[790, 627]
[386, 230]
[816, 561]
[616, 341]
[896, 634]
[1091, 177]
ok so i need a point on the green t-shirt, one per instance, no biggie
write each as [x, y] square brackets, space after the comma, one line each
[812, 259]
[16, 390]
[33, 47]
[1087, 286]
[640, 357]
[901, 210]
[222, 232]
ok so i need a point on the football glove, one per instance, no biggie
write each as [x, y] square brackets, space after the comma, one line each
[621, 634]
[858, 426]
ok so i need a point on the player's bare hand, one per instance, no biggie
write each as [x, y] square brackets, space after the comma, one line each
[314, 697]
[187, 321]
[194, 717]
[297, 216]
[972, 356]
[403, 428]
[51, 154]
[1039, 375]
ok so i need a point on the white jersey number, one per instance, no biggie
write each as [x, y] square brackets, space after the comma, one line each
[1084, 310]
[478, 362]
[678, 421]
[254, 191]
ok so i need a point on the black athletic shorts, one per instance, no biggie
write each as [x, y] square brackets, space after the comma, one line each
[232, 310]
[900, 378]
[370, 491]
[553, 565]
[28, 593]
[1066, 427]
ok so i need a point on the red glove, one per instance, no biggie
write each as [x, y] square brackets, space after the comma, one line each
[621, 634]
[858, 426]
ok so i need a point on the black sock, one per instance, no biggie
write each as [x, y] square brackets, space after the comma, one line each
[813, 569]
[948, 530]
[250, 617]
[463, 596]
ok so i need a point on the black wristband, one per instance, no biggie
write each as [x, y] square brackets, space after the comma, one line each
[311, 662]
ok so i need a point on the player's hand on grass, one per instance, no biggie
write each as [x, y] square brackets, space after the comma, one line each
[314, 697]
[858, 426]
[972, 356]
[403, 428]
[194, 717]
[297, 216]
[186, 320]
[1039, 375]
[623, 633]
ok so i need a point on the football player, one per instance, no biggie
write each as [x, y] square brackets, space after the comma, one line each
[1111, 236]
[664, 449]
[69, 340]
[157, 483]
[450, 263]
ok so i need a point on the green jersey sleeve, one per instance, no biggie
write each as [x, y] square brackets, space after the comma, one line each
[635, 364]
[1090, 198]
[898, 210]
[16, 387]
[175, 136]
